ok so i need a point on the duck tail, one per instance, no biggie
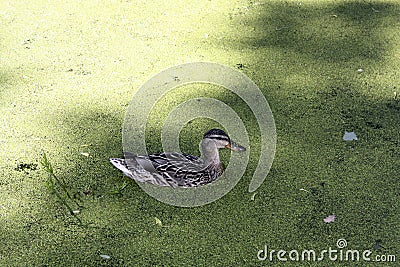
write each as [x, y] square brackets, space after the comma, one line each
[121, 165]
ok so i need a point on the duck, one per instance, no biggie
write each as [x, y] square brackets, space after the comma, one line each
[179, 170]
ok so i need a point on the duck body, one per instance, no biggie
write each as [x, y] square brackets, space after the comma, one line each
[168, 169]
[177, 169]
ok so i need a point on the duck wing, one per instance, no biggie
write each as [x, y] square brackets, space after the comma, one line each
[174, 169]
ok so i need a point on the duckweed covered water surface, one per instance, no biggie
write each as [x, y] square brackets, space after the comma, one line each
[69, 70]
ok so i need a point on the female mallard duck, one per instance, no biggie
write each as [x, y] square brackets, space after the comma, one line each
[179, 170]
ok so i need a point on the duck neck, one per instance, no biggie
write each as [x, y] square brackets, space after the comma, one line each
[209, 152]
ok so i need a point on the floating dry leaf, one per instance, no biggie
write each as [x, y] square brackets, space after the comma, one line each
[105, 256]
[350, 136]
[85, 154]
[158, 222]
[86, 145]
[253, 196]
[302, 189]
[330, 218]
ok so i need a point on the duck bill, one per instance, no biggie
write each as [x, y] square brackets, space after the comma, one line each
[235, 147]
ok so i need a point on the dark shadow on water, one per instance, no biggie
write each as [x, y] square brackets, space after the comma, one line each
[326, 32]
[313, 112]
